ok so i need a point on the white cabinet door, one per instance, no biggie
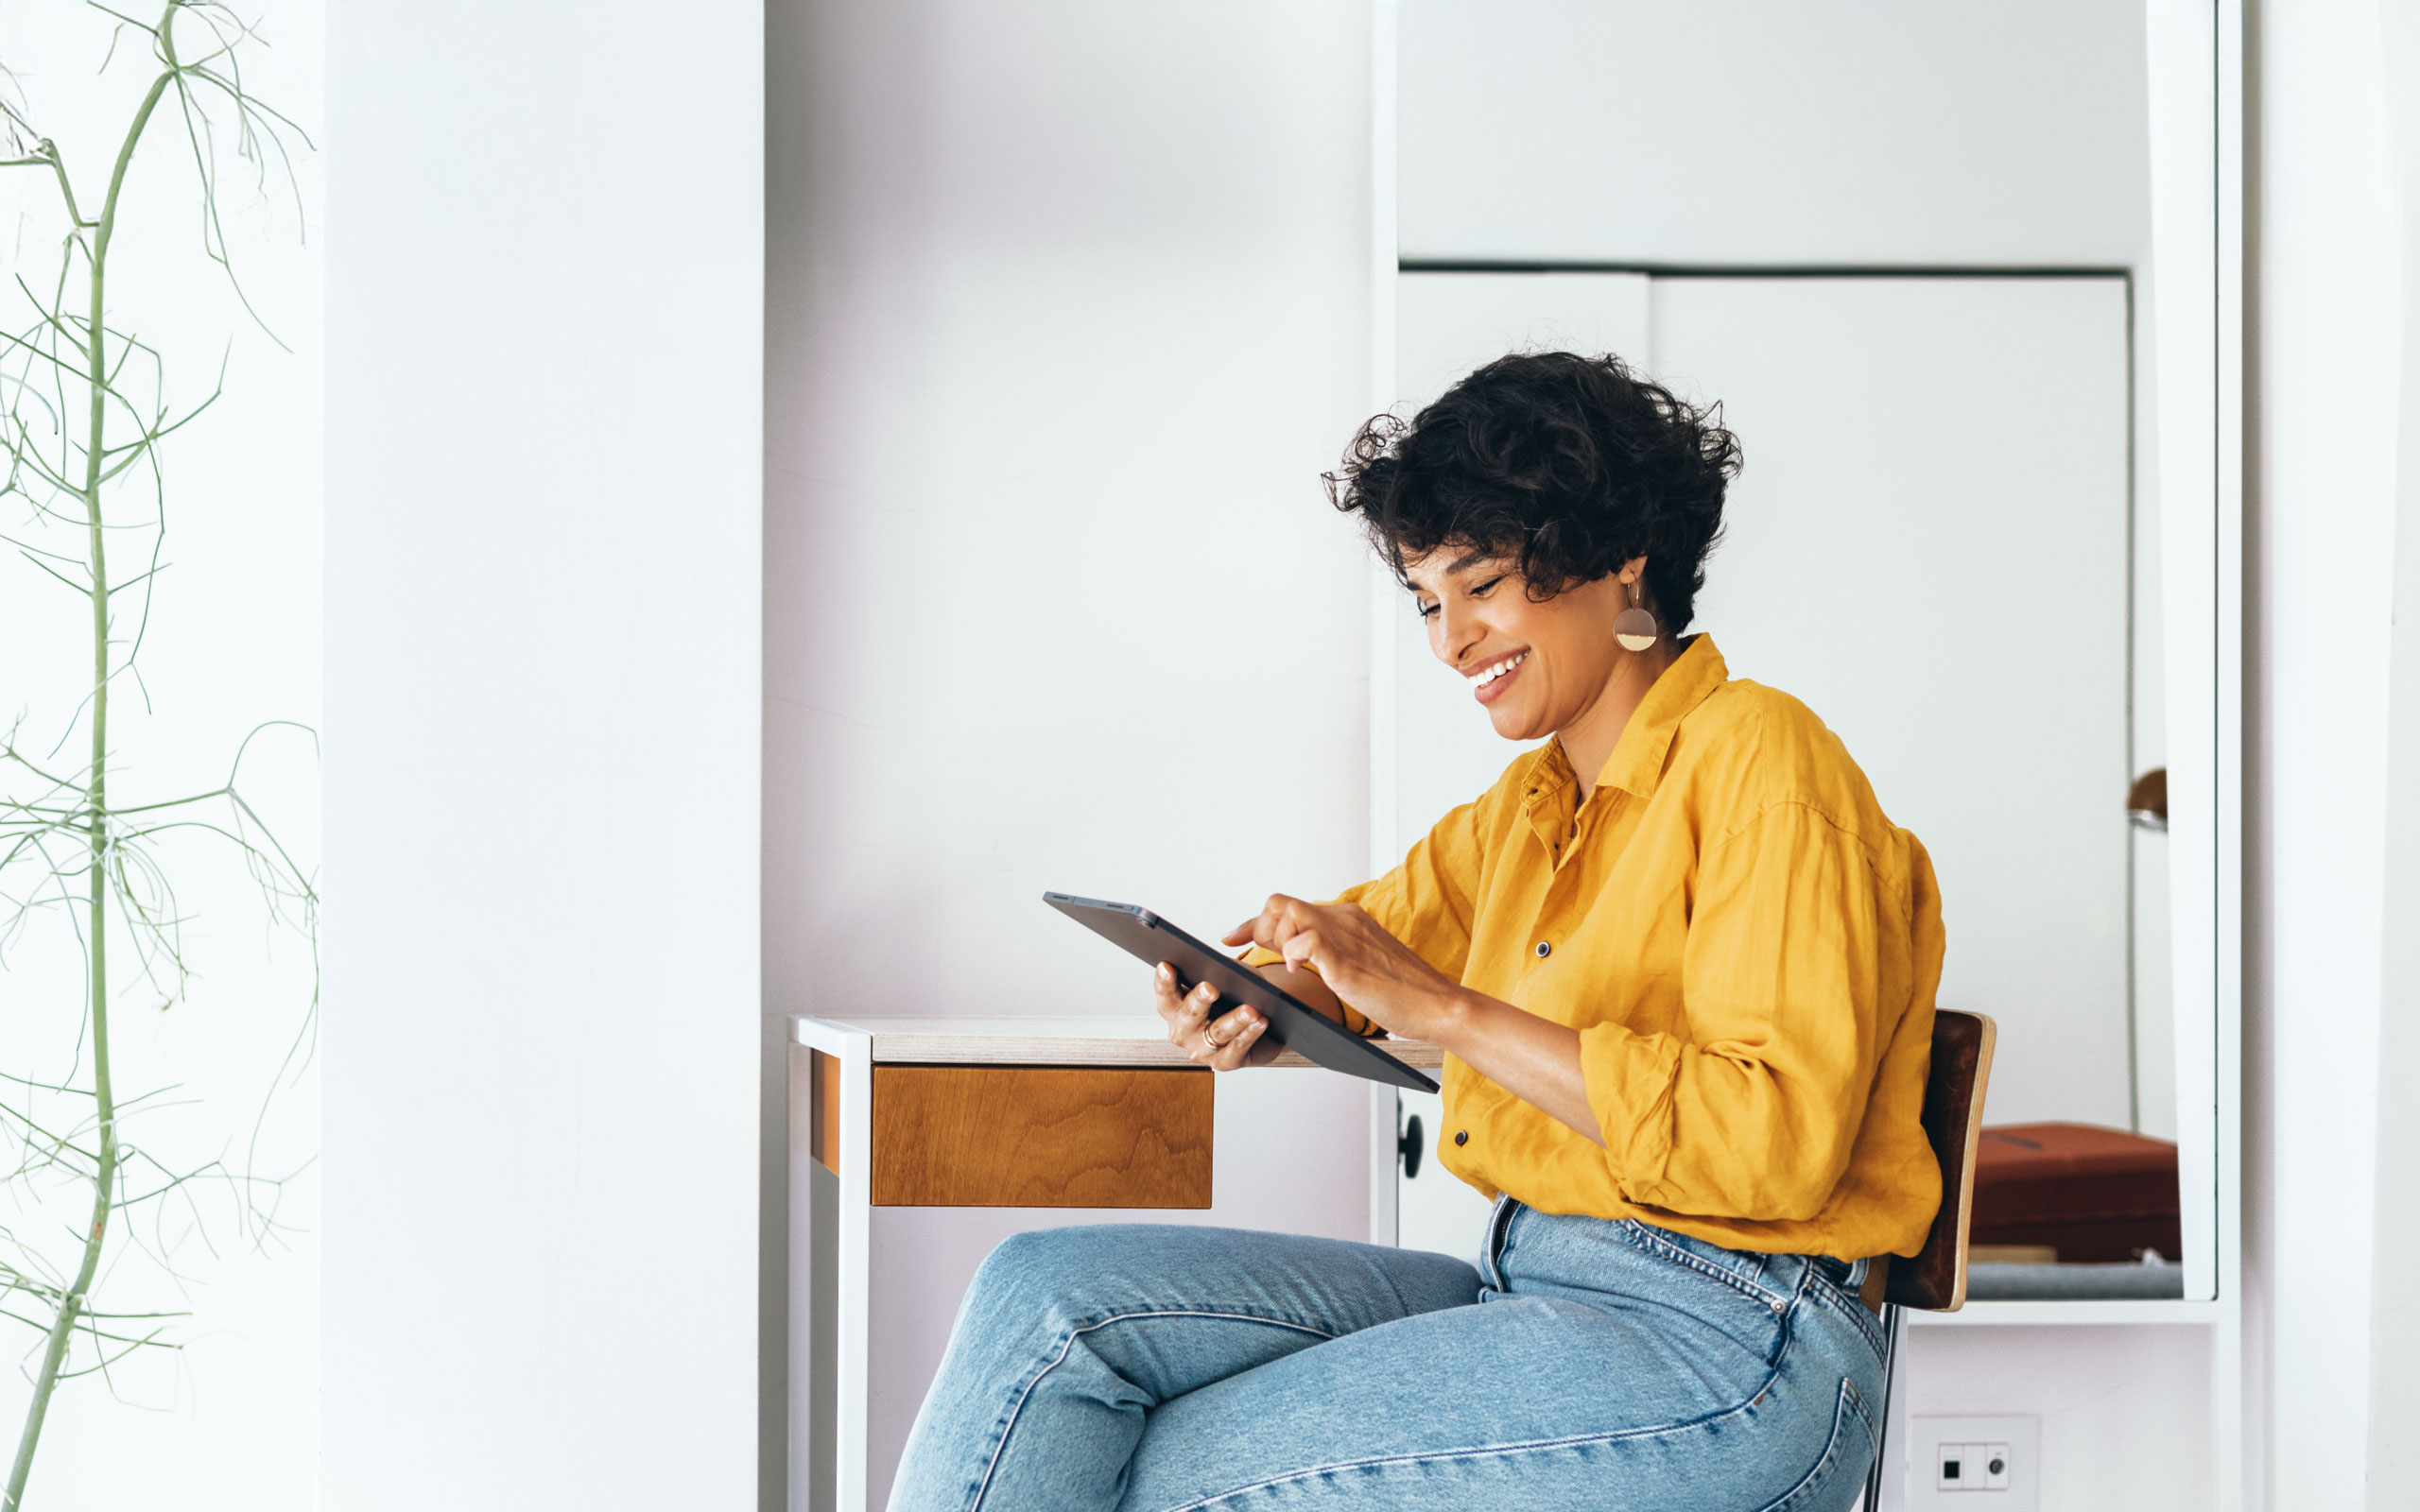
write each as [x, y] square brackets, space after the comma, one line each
[1929, 545]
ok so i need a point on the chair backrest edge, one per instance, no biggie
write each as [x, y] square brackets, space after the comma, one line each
[1973, 1140]
[1935, 1278]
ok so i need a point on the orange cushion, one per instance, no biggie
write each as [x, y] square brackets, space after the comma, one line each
[2092, 1194]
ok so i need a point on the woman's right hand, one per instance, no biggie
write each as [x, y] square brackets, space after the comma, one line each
[1228, 1043]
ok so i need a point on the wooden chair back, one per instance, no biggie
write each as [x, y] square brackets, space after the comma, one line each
[1935, 1280]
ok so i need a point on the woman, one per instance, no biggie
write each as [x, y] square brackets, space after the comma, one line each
[1682, 968]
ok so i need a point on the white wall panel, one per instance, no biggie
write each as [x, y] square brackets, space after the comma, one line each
[2394, 1327]
[545, 392]
[2319, 625]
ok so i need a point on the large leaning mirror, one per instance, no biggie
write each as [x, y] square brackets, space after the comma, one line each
[1952, 274]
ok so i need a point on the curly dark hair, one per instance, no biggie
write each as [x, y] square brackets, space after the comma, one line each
[1573, 465]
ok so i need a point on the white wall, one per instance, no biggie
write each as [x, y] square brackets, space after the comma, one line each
[1067, 312]
[543, 561]
[229, 1421]
[2322, 484]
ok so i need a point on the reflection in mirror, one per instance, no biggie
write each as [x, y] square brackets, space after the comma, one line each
[1946, 536]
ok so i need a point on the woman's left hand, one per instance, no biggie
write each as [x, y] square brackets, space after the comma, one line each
[1367, 967]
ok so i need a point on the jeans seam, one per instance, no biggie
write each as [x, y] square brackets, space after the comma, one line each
[1856, 1403]
[1008, 1425]
[1781, 1357]
[1814, 1289]
[1642, 1235]
[1849, 1401]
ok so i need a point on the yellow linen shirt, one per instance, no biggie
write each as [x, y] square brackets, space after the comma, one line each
[1749, 948]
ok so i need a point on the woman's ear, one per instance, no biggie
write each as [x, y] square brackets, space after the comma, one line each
[1631, 571]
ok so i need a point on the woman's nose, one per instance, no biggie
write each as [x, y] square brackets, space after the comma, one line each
[1452, 632]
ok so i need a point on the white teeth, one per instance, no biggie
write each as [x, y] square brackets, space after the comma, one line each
[1481, 679]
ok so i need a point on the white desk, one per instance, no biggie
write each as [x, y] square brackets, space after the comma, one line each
[1066, 1112]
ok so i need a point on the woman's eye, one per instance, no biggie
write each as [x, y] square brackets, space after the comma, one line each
[1481, 591]
[1425, 610]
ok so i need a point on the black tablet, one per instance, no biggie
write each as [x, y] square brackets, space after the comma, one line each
[1292, 1022]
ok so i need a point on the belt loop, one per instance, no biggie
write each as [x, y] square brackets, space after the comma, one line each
[1855, 1276]
[1877, 1279]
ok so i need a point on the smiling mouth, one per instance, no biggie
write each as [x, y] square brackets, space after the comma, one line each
[1489, 681]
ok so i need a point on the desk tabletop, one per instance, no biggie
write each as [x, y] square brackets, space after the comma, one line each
[1093, 1041]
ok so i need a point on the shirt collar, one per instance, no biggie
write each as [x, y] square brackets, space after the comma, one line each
[1637, 762]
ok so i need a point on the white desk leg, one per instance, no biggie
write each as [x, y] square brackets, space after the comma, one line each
[830, 1267]
[1386, 1113]
[856, 1265]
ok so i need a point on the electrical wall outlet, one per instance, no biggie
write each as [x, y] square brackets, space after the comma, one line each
[1974, 1463]
[1970, 1467]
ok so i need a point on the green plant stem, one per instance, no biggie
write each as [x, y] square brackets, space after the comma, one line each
[96, 794]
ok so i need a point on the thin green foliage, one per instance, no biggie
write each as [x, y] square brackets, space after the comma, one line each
[84, 418]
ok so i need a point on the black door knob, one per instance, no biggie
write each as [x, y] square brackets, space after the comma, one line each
[1408, 1145]
[2146, 800]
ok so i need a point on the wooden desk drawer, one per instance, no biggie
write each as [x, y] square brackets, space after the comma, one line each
[1041, 1137]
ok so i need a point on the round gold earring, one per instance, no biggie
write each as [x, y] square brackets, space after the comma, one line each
[1635, 627]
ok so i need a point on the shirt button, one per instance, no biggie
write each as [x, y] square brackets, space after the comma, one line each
[1461, 1136]
[1543, 950]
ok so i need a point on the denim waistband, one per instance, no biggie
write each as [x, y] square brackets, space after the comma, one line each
[1848, 1275]
[1526, 1250]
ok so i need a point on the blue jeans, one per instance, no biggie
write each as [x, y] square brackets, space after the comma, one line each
[1590, 1364]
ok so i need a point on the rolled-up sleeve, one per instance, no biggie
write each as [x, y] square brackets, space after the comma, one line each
[1426, 901]
[1783, 973]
